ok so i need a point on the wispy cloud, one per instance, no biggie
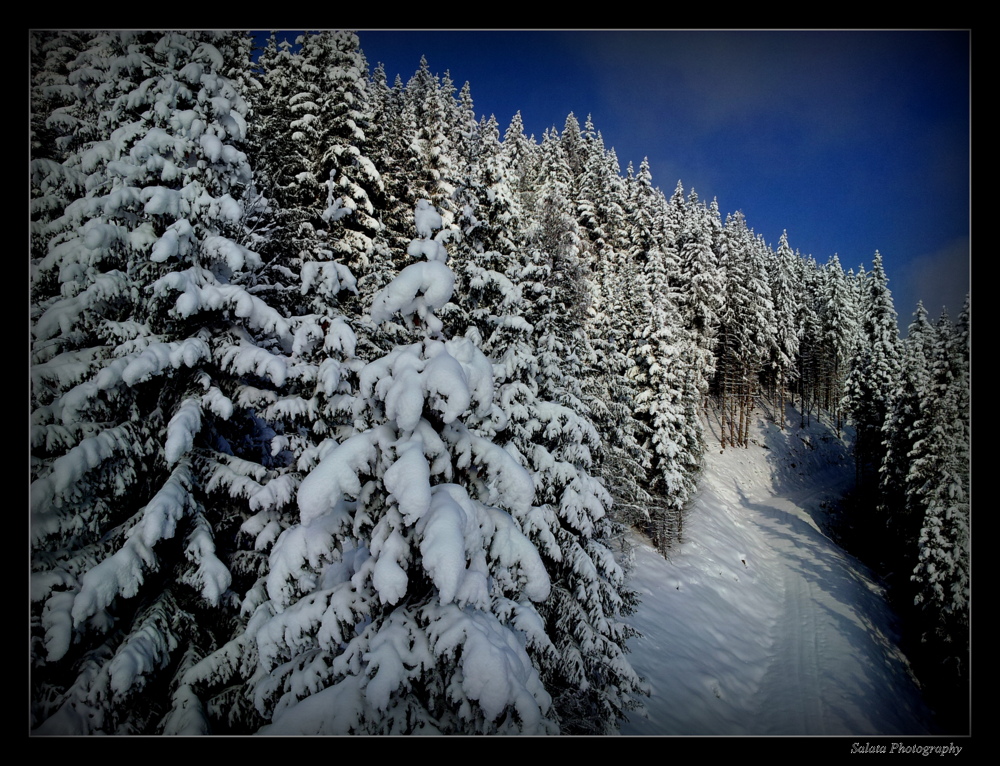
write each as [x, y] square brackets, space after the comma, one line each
[940, 279]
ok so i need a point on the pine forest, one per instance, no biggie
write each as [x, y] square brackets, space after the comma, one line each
[342, 400]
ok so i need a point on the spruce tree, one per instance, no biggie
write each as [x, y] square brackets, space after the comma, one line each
[874, 373]
[840, 335]
[145, 345]
[809, 331]
[662, 356]
[786, 299]
[65, 70]
[317, 175]
[405, 598]
[938, 483]
[550, 432]
[429, 112]
[531, 315]
[897, 509]
[521, 155]
[699, 281]
[746, 336]
[612, 400]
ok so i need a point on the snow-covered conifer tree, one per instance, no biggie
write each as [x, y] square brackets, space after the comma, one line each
[145, 344]
[486, 261]
[874, 373]
[785, 299]
[388, 138]
[319, 179]
[521, 154]
[405, 598]
[612, 393]
[841, 334]
[901, 518]
[699, 280]
[809, 331]
[938, 483]
[72, 75]
[747, 329]
[663, 357]
[544, 355]
[429, 111]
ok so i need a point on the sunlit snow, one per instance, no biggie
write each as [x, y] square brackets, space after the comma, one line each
[757, 623]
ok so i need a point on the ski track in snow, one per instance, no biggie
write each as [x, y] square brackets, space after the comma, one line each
[759, 624]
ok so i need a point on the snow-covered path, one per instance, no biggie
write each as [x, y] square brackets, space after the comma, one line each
[759, 623]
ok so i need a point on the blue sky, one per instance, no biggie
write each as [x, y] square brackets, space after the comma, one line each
[852, 141]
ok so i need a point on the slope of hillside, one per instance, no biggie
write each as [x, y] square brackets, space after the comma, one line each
[758, 624]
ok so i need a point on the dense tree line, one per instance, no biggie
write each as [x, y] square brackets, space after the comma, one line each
[340, 402]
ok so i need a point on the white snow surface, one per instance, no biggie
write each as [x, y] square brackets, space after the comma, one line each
[758, 623]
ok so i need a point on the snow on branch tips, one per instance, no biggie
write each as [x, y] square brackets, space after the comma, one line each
[405, 524]
[421, 288]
